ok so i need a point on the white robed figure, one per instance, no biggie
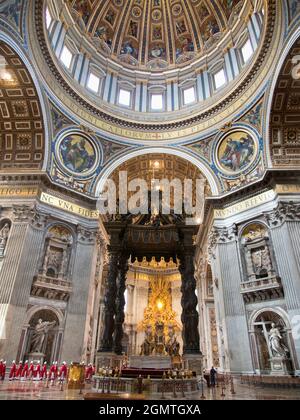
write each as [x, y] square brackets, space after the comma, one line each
[277, 347]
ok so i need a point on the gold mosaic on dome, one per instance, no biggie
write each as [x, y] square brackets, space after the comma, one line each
[154, 34]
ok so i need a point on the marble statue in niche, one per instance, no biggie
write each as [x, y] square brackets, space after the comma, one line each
[4, 234]
[39, 334]
[271, 339]
[276, 344]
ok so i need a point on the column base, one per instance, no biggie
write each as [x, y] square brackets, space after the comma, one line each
[193, 362]
[297, 373]
[279, 366]
[36, 357]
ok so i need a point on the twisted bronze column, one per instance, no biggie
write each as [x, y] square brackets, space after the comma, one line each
[189, 301]
[120, 303]
[110, 304]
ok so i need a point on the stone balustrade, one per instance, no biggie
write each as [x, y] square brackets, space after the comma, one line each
[51, 288]
[262, 289]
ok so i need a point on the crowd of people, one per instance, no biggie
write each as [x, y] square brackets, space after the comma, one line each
[39, 371]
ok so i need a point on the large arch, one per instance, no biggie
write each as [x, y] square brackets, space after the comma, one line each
[278, 96]
[109, 169]
[23, 112]
[280, 312]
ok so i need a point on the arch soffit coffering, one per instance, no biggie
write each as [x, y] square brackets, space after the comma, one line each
[45, 110]
[109, 169]
[292, 39]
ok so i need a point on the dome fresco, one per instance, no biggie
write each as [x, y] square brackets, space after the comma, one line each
[154, 61]
[154, 34]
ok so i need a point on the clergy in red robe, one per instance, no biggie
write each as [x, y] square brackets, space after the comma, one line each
[44, 371]
[25, 371]
[31, 370]
[19, 370]
[37, 371]
[13, 371]
[53, 371]
[63, 371]
[89, 372]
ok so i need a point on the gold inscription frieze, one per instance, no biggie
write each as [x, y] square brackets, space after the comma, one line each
[280, 189]
[18, 192]
[34, 192]
[288, 189]
[245, 205]
[68, 206]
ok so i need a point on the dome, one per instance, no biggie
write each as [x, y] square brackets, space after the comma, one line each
[152, 65]
[155, 34]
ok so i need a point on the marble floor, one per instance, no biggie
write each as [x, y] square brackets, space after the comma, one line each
[39, 391]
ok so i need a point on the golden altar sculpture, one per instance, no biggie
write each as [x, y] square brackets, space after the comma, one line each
[159, 323]
[76, 376]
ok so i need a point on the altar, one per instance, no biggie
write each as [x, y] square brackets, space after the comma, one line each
[147, 331]
[150, 362]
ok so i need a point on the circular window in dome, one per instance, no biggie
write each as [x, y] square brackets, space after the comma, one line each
[236, 152]
[77, 154]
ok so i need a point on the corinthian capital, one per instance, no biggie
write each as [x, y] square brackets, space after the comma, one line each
[292, 211]
[86, 236]
[220, 236]
[285, 212]
[23, 214]
[39, 220]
